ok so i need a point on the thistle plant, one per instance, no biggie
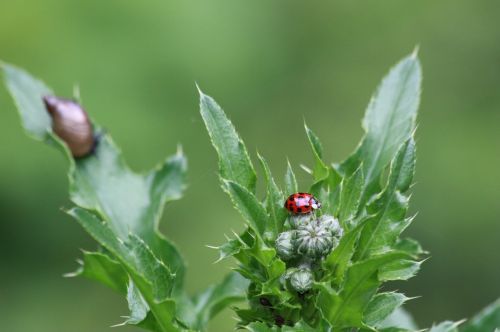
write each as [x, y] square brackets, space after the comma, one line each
[322, 270]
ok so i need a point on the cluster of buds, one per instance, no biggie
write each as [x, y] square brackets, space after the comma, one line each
[308, 240]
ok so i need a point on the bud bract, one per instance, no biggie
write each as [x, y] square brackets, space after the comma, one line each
[302, 280]
[285, 245]
[297, 220]
[332, 224]
[314, 240]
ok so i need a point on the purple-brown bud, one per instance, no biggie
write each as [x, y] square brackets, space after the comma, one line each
[72, 124]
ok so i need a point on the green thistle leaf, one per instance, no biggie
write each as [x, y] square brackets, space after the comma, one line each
[389, 122]
[234, 163]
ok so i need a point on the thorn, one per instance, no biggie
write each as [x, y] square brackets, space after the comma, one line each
[199, 90]
[306, 169]
[240, 239]
[120, 324]
[423, 261]
[413, 298]
[71, 274]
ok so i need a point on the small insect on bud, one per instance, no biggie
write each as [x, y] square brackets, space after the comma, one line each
[72, 124]
[301, 203]
[302, 280]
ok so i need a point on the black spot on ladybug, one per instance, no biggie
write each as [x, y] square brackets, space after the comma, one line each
[299, 209]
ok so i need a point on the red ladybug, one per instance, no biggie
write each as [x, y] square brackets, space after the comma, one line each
[301, 203]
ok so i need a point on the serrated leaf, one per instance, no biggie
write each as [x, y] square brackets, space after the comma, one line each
[381, 306]
[136, 304]
[327, 191]
[260, 327]
[447, 326]
[345, 308]
[102, 182]
[140, 314]
[403, 269]
[215, 298]
[248, 205]
[320, 170]
[399, 318]
[389, 121]
[410, 246]
[300, 326]
[350, 196]
[130, 202]
[150, 275]
[27, 93]
[290, 180]
[234, 162]
[274, 201]
[486, 320]
[102, 268]
[390, 206]
[337, 261]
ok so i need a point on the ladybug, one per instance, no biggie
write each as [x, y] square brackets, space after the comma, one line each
[301, 203]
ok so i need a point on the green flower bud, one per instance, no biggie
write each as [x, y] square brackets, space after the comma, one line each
[285, 246]
[300, 219]
[302, 280]
[286, 276]
[314, 240]
[332, 224]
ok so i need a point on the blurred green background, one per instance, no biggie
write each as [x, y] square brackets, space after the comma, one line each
[269, 64]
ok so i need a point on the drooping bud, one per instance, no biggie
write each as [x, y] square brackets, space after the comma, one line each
[285, 245]
[71, 123]
[313, 240]
[302, 280]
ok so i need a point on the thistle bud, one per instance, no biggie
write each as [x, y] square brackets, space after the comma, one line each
[302, 280]
[71, 123]
[285, 246]
[296, 220]
[313, 240]
[286, 276]
[332, 225]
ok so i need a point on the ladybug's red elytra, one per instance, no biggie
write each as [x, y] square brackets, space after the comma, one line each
[301, 203]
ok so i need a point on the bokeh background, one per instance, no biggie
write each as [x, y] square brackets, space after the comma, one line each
[270, 64]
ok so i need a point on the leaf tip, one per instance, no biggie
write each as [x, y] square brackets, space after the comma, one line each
[203, 96]
[180, 151]
[198, 88]
[414, 54]
[306, 169]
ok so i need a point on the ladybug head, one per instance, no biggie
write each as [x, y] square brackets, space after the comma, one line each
[315, 204]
